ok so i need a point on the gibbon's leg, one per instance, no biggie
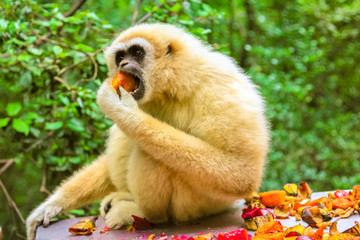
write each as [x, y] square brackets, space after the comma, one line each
[85, 186]
[206, 167]
[117, 209]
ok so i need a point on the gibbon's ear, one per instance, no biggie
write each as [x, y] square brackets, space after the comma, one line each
[169, 50]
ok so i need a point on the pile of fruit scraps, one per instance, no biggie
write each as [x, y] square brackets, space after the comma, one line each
[294, 201]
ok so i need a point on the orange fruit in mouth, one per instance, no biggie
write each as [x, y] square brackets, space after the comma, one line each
[126, 80]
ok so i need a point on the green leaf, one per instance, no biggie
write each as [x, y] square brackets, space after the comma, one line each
[76, 125]
[35, 51]
[57, 50]
[53, 125]
[32, 115]
[24, 57]
[35, 132]
[75, 160]
[30, 40]
[3, 24]
[13, 109]
[25, 80]
[177, 7]
[77, 211]
[21, 126]
[84, 47]
[4, 122]
[18, 42]
[64, 100]
[101, 58]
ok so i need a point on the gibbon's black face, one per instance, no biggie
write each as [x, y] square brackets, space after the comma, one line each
[131, 60]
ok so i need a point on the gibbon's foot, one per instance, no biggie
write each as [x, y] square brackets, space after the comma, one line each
[117, 208]
[41, 216]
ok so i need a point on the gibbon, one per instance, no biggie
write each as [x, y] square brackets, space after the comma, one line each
[186, 143]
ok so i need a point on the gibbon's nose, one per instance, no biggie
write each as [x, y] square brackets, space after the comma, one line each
[124, 63]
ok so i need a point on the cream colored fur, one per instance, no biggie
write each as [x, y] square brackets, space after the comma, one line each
[195, 142]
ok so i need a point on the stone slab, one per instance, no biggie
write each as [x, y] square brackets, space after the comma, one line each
[224, 222]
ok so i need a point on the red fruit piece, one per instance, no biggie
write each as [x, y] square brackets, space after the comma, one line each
[340, 193]
[142, 223]
[240, 234]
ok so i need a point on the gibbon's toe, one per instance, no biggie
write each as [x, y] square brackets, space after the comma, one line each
[41, 216]
[107, 207]
[120, 214]
[117, 208]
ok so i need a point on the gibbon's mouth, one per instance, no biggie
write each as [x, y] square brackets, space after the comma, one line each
[134, 84]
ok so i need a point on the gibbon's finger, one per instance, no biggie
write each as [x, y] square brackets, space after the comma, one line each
[126, 98]
[123, 93]
[51, 212]
[31, 229]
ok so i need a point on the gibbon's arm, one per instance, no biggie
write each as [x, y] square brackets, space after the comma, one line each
[230, 174]
[85, 186]
[197, 160]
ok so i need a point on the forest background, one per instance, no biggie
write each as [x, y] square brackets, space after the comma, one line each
[302, 54]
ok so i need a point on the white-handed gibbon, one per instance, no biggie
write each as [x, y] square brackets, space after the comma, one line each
[187, 141]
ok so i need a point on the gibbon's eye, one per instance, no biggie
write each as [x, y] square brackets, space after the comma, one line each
[169, 50]
[137, 52]
[120, 55]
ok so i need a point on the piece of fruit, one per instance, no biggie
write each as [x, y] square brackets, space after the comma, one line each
[304, 238]
[254, 212]
[273, 198]
[342, 202]
[270, 236]
[342, 236]
[240, 234]
[282, 211]
[354, 230]
[344, 213]
[356, 192]
[291, 189]
[312, 216]
[304, 191]
[325, 200]
[255, 222]
[270, 227]
[126, 80]
[208, 236]
[84, 227]
[341, 193]
[142, 223]
[297, 230]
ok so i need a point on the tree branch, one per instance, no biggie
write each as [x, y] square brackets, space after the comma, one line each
[43, 182]
[136, 12]
[59, 79]
[8, 163]
[38, 142]
[251, 27]
[11, 202]
[74, 8]
[231, 26]
[143, 19]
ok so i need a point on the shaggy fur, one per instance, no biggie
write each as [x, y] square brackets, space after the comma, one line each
[192, 145]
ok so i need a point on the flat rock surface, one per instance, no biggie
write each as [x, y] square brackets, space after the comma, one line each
[224, 222]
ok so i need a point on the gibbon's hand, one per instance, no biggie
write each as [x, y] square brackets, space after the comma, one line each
[41, 216]
[114, 106]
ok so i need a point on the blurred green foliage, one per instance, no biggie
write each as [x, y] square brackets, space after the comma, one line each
[303, 55]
